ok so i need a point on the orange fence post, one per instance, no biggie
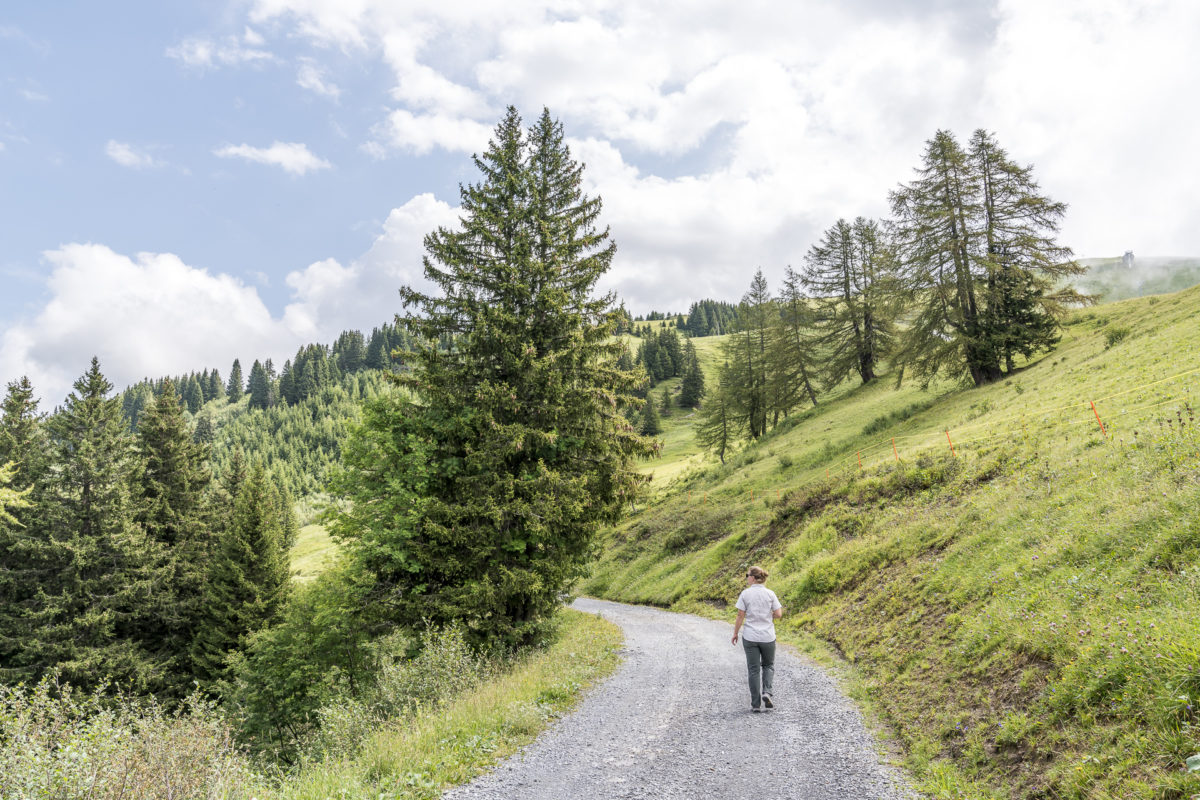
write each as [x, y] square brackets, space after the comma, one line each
[897, 455]
[953, 452]
[860, 459]
[1098, 420]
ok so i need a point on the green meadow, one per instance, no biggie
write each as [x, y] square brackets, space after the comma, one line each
[1018, 611]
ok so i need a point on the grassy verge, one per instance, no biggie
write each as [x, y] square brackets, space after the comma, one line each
[422, 754]
[1021, 613]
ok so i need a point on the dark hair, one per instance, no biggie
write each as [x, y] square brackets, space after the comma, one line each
[758, 573]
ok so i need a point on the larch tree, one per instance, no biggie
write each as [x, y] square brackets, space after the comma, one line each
[850, 276]
[526, 452]
[718, 429]
[793, 352]
[977, 246]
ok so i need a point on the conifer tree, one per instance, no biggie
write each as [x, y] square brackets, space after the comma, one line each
[234, 390]
[27, 560]
[718, 428]
[194, 397]
[86, 622]
[978, 250]
[259, 387]
[792, 349]
[692, 387]
[651, 424]
[665, 404]
[522, 449]
[216, 389]
[172, 510]
[248, 579]
[849, 273]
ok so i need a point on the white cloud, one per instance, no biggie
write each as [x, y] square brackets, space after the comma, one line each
[726, 136]
[312, 77]
[128, 156]
[421, 133]
[203, 53]
[34, 97]
[150, 314]
[293, 157]
[329, 297]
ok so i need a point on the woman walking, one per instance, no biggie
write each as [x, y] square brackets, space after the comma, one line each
[758, 608]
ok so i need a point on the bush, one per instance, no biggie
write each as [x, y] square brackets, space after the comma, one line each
[1114, 334]
[60, 744]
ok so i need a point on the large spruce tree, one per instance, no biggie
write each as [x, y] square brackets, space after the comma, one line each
[93, 600]
[248, 576]
[27, 558]
[172, 508]
[478, 499]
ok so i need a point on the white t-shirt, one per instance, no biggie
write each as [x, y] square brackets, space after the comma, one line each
[758, 602]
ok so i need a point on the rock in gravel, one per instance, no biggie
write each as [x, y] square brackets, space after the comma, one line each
[675, 722]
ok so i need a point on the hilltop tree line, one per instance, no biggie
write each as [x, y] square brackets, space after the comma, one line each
[964, 279]
[123, 559]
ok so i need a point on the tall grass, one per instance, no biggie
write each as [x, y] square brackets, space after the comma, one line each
[428, 722]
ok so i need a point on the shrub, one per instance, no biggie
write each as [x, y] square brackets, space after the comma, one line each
[1114, 334]
[58, 743]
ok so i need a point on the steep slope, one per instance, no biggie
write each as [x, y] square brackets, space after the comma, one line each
[1018, 610]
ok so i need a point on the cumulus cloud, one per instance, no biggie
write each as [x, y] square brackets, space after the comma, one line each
[127, 155]
[152, 314]
[293, 157]
[725, 137]
[146, 315]
[311, 77]
[329, 297]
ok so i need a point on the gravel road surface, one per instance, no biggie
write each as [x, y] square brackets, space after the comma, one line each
[675, 722]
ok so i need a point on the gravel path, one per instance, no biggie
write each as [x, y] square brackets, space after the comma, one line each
[675, 722]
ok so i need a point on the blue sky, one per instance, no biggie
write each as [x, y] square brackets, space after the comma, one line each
[185, 183]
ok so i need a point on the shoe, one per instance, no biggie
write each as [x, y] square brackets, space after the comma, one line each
[755, 709]
[767, 701]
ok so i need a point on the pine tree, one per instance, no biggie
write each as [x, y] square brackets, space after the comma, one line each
[172, 510]
[665, 404]
[526, 453]
[86, 621]
[234, 390]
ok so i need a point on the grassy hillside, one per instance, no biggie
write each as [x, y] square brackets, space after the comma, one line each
[1020, 611]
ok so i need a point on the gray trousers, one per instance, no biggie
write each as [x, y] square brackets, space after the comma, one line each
[760, 668]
